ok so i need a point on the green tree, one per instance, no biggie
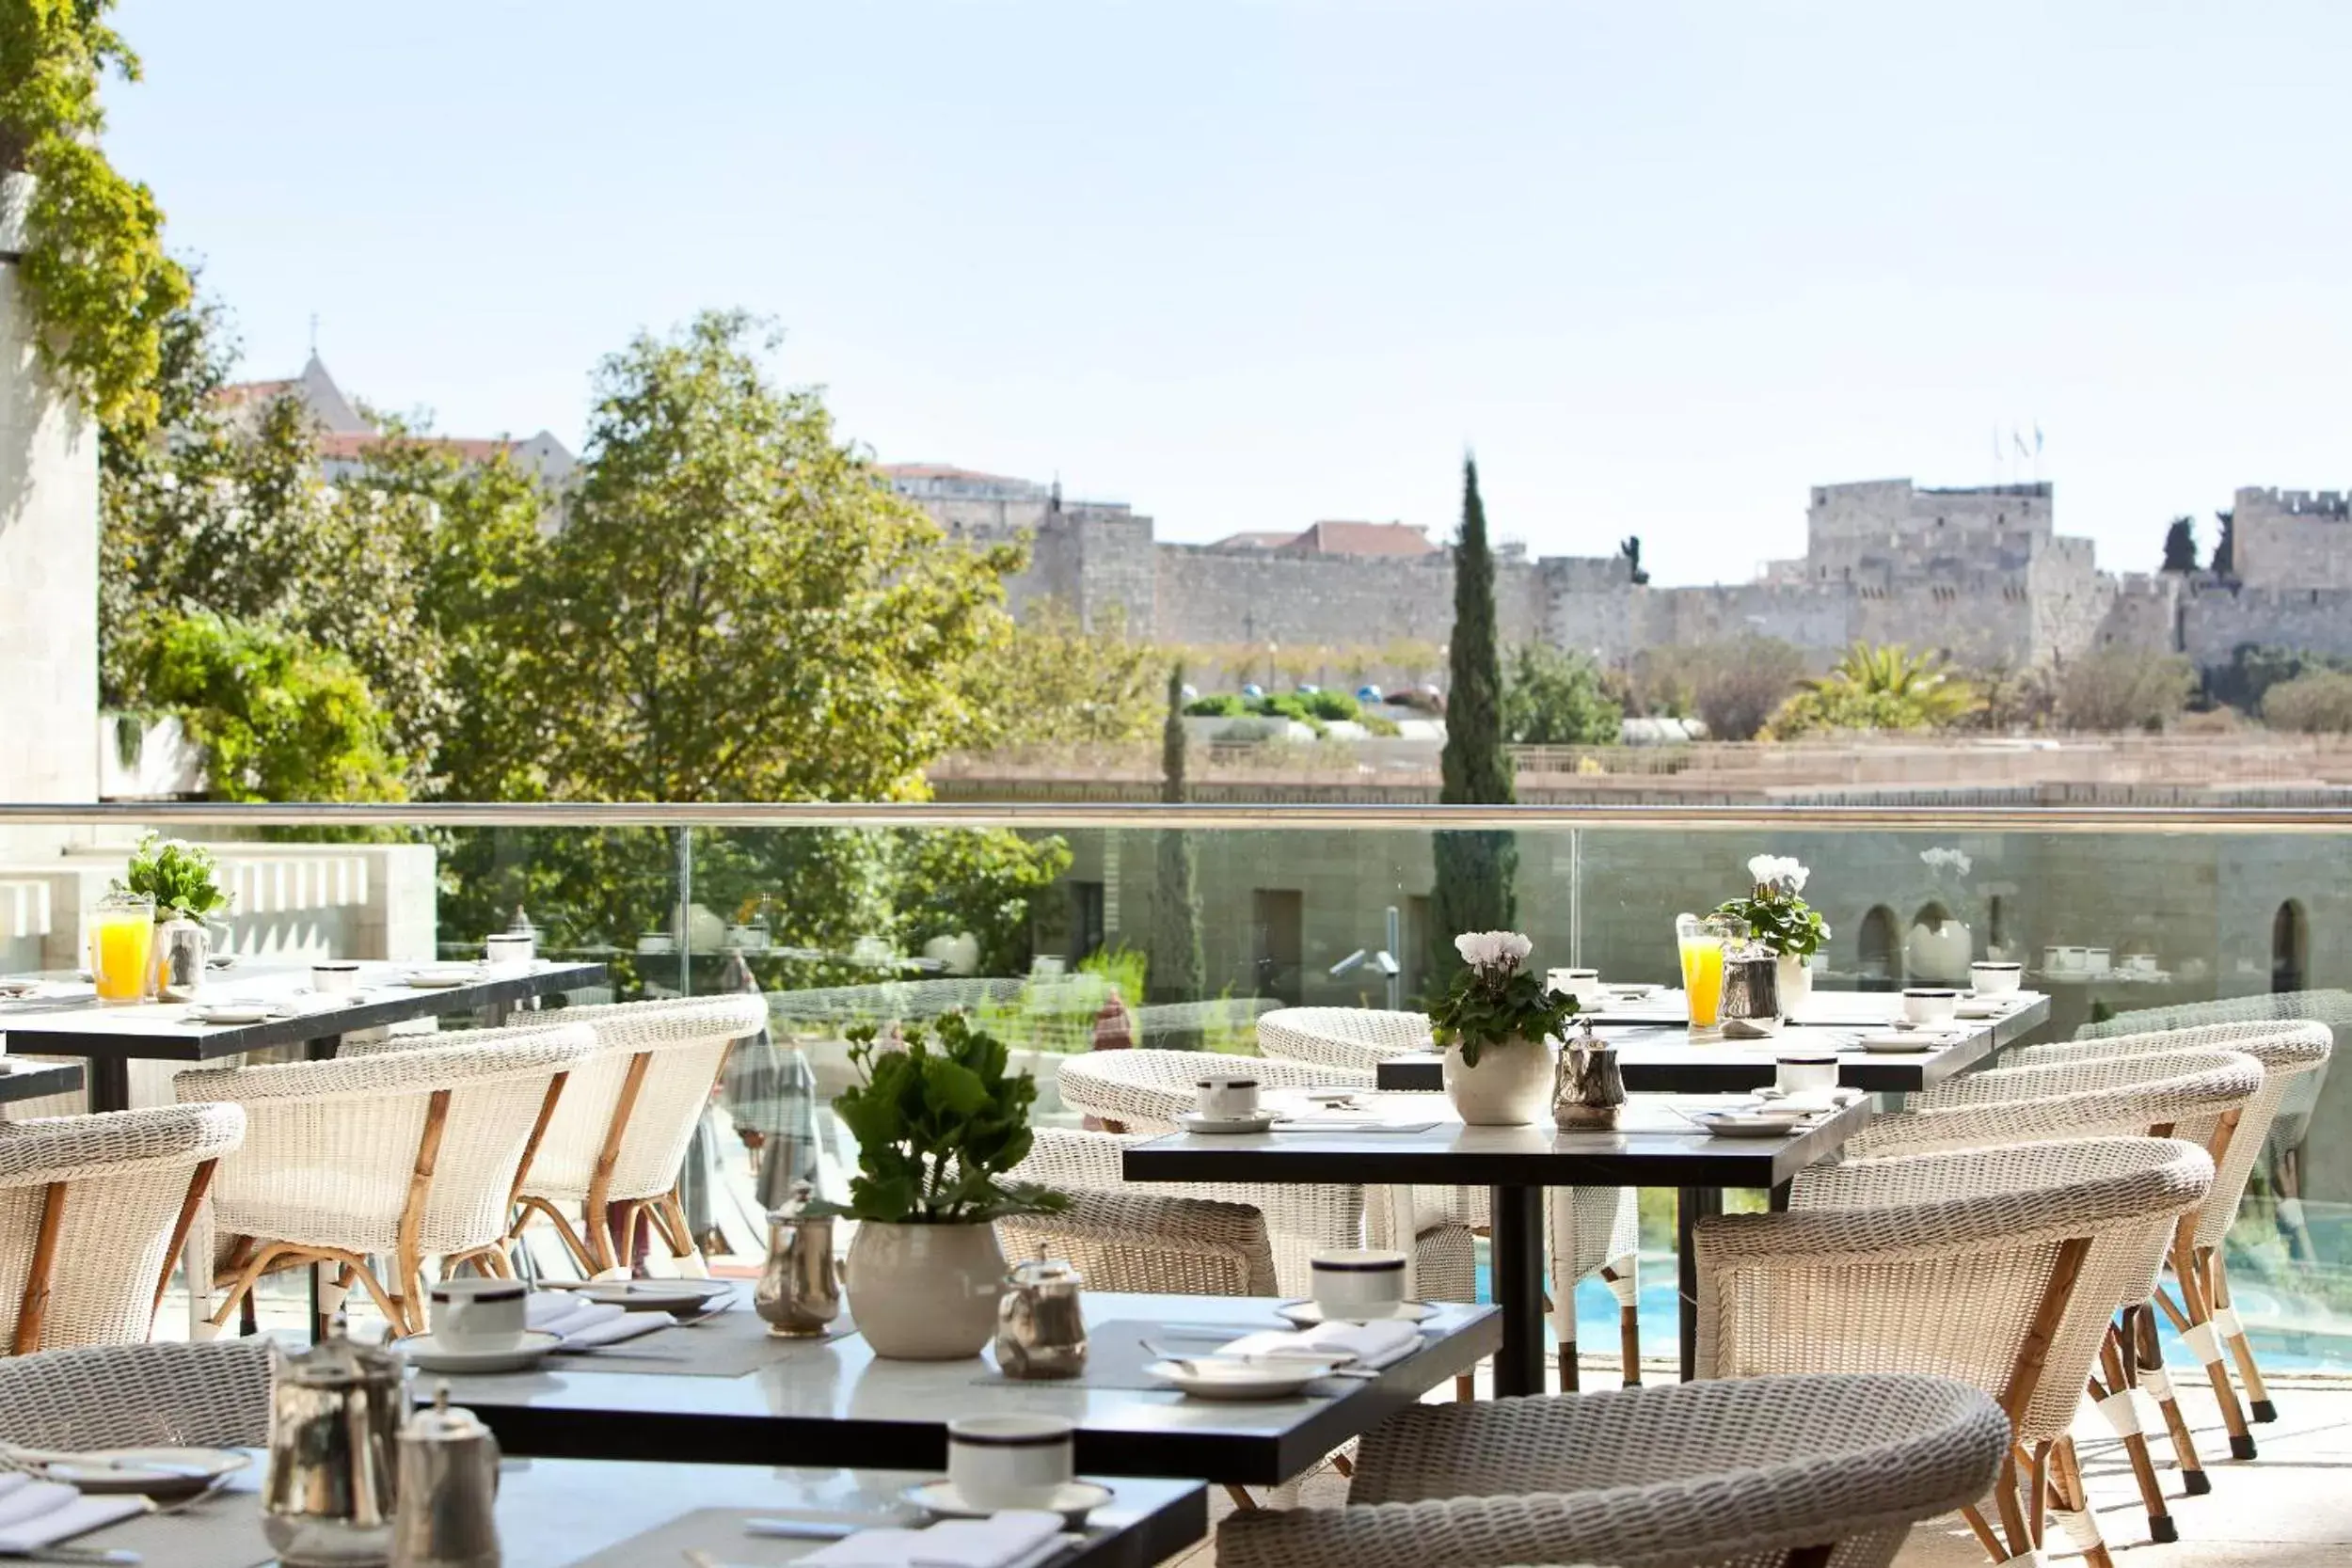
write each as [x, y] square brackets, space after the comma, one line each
[2225, 545]
[1878, 688]
[986, 881]
[1054, 680]
[279, 718]
[1554, 698]
[97, 283]
[2122, 689]
[1475, 870]
[2180, 546]
[2318, 702]
[1176, 965]
[739, 609]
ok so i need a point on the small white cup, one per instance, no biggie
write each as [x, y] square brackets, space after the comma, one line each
[1582, 983]
[509, 950]
[1812, 1072]
[1359, 1282]
[1229, 1097]
[1995, 979]
[478, 1314]
[1929, 1004]
[337, 975]
[1010, 1461]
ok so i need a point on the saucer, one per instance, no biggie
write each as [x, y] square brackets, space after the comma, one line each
[1988, 1008]
[1074, 1501]
[145, 1472]
[1306, 1314]
[1193, 1121]
[1332, 1097]
[428, 1354]
[230, 1012]
[1749, 1124]
[656, 1296]
[437, 979]
[1899, 1045]
[1239, 1380]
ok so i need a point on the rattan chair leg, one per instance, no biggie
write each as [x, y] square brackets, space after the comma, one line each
[2206, 1344]
[670, 1213]
[2005, 1500]
[2066, 1473]
[1985, 1538]
[1466, 1388]
[1624, 1281]
[2146, 1357]
[32, 1307]
[2116, 1402]
[1570, 1382]
[2258, 1402]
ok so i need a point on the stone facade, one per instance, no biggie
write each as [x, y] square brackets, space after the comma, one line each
[1980, 574]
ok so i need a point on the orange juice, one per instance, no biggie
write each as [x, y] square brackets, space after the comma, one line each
[1703, 978]
[122, 940]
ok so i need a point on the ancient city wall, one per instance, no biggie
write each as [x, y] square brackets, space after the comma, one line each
[2292, 539]
[1211, 597]
[2217, 619]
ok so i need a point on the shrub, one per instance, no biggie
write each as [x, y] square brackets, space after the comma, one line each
[1224, 705]
[2317, 704]
[1333, 706]
[1554, 698]
[2123, 688]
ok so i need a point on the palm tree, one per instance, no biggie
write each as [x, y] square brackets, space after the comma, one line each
[1885, 686]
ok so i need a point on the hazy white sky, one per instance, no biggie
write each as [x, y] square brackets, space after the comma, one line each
[1245, 266]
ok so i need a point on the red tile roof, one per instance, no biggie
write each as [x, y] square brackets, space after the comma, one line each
[1339, 538]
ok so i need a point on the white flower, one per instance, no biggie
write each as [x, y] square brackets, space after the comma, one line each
[1954, 860]
[1493, 950]
[1783, 874]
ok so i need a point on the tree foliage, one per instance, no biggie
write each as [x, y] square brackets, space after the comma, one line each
[2180, 546]
[2318, 702]
[1554, 698]
[2225, 545]
[1732, 687]
[1475, 870]
[1053, 680]
[1177, 967]
[1885, 686]
[2123, 688]
[96, 278]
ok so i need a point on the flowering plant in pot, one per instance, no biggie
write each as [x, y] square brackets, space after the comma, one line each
[1779, 920]
[939, 1121]
[184, 880]
[1493, 1023]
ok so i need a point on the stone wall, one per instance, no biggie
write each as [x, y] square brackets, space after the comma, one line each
[2218, 618]
[2292, 539]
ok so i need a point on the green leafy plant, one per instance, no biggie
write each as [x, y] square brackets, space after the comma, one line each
[1776, 911]
[184, 878]
[938, 1124]
[1494, 999]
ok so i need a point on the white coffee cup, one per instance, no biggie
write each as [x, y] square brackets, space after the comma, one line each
[509, 950]
[1929, 1004]
[1228, 1097]
[478, 1314]
[1359, 1282]
[334, 974]
[1811, 1072]
[1010, 1461]
[1582, 983]
[1995, 979]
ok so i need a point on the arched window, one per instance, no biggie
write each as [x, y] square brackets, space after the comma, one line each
[1881, 967]
[2290, 947]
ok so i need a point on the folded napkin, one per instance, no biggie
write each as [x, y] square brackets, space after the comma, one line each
[37, 1513]
[1003, 1540]
[1375, 1344]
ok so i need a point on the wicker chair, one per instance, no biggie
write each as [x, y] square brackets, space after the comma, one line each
[2003, 1267]
[1757, 1473]
[1589, 1230]
[1147, 1090]
[138, 1396]
[408, 1154]
[1153, 1238]
[2294, 1054]
[94, 1210]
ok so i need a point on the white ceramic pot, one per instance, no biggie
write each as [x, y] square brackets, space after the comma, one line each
[1933, 957]
[1796, 983]
[1511, 1085]
[924, 1292]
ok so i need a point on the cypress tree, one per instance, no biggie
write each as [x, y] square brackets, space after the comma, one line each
[1176, 966]
[1475, 870]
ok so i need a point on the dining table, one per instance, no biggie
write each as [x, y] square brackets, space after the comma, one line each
[21, 1079]
[61, 1015]
[722, 1390]
[1417, 1139]
[604, 1514]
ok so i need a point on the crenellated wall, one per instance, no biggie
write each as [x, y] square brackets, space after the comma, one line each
[2292, 539]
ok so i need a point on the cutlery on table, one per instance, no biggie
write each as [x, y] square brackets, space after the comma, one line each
[1332, 1366]
[116, 1557]
[44, 1458]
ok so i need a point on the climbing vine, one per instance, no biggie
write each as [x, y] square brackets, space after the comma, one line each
[96, 278]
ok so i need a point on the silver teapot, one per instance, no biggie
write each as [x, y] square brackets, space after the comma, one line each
[800, 1288]
[448, 1487]
[334, 1437]
[1041, 1320]
[1751, 991]
[182, 948]
[1587, 1086]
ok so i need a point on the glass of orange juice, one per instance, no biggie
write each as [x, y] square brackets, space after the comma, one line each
[121, 948]
[1701, 940]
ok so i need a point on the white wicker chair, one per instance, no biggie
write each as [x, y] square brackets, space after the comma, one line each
[1147, 1090]
[408, 1154]
[2003, 1267]
[1760, 1473]
[94, 1210]
[2293, 1055]
[1589, 1230]
[138, 1396]
[1153, 1238]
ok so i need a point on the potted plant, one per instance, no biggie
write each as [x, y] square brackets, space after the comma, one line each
[1780, 920]
[184, 880]
[1938, 946]
[938, 1121]
[1494, 1024]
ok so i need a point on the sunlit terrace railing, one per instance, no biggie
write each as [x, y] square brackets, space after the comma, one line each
[1059, 925]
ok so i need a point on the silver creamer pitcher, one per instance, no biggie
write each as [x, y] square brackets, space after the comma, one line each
[448, 1487]
[334, 1437]
[800, 1288]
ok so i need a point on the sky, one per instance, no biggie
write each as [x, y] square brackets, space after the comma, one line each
[1244, 266]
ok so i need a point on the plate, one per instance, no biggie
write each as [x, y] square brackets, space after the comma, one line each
[656, 1296]
[428, 1354]
[1239, 1380]
[1332, 1097]
[1980, 1009]
[1748, 1124]
[1073, 1502]
[230, 1012]
[1306, 1314]
[437, 979]
[1898, 1045]
[115, 1472]
[1192, 1121]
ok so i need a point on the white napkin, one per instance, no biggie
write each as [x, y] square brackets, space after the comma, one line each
[37, 1513]
[1375, 1344]
[1000, 1540]
[583, 1324]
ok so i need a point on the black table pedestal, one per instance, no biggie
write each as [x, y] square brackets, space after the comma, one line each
[109, 1082]
[1517, 1258]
